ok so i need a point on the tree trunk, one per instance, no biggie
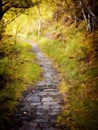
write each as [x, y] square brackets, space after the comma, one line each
[1, 12]
[40, 20]
[90, 23]
[88, 15]
[56, 16]
[16, 33]
[39, 27]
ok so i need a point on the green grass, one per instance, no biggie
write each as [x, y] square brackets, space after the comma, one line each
[18, 71]
[75, 55]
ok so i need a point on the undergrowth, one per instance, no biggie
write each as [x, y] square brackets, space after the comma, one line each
[75, 54]
[18, 72]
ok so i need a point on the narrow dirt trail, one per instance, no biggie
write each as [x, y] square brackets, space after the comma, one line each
[41, 105]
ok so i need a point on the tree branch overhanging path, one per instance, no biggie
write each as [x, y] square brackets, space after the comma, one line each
[6, 5]
[78, 9]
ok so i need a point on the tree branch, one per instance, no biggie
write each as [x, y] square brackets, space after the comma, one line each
[4, 7]
[86, 7]
[12, 19]
[8, 6]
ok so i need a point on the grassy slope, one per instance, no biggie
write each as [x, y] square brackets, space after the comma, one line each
[18, 71]
[75, 54]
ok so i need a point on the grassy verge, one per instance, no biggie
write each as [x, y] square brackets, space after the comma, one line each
[75, 54]
[18, 71]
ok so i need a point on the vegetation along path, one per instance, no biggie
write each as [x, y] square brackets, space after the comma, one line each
[41, 105]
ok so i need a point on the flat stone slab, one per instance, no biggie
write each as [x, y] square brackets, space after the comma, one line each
[47, 99]
[33, 98]
[43, 107]
[35, 104]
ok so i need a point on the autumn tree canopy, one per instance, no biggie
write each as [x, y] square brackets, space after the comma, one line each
[77, 9]
[5, 5]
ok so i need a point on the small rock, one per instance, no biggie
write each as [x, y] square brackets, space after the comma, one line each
[33, 124]
[47, 99]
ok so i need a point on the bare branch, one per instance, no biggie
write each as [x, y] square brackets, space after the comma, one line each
[87, 8]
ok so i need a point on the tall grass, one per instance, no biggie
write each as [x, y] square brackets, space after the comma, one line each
[76, 58]
[18, 72]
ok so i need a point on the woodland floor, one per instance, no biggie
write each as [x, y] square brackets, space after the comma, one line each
[40, 105]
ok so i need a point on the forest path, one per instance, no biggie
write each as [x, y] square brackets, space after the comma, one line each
[42, 104]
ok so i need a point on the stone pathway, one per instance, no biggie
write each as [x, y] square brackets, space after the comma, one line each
[41, 105]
